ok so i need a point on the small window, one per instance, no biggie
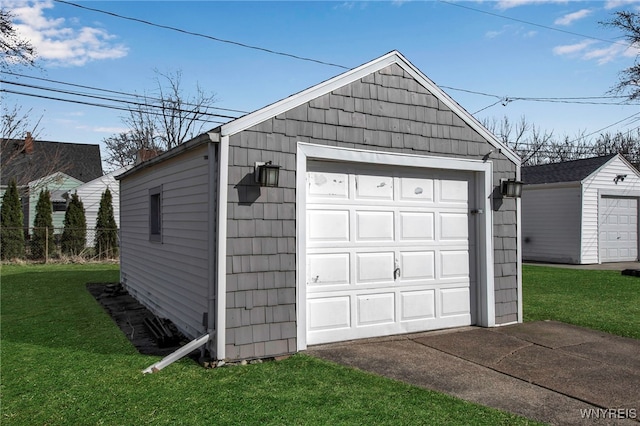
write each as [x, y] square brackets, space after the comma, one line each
[59, 206]
[155, 214]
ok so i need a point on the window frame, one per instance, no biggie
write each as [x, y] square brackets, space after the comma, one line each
[155, 212]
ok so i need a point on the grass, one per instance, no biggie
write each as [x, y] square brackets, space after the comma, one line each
[601, 300]
[65, 362]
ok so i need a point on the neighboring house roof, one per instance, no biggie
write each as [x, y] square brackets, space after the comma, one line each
[80, 161]
[566, 171]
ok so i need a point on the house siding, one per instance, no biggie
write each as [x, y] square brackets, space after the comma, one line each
[171, 277]
[596, 185]
[56, 182]
[387, 111]
[91, 193]
[551, 224]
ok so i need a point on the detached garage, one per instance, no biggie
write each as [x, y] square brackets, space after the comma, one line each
[583, 211]
[368, 205]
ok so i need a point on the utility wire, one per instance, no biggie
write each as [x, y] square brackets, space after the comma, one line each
[67, 92]
[110, 91]
[236, 43]
[531, 23]
[114, 107]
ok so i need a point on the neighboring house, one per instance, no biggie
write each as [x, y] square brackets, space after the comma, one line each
[37, 165]
[387, 219]
[90, 194]
[582, 211]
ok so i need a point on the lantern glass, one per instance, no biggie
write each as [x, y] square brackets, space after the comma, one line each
[269, 175]
[511, 188]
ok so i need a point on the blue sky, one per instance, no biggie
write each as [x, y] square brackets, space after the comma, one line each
[505, 49]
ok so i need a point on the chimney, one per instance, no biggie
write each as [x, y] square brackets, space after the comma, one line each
[28, 144]
[145, 154]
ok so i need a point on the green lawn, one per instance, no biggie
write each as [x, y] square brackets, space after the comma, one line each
[602, 300]
[65, 362]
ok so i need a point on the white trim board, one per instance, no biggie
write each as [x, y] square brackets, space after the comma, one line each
[485, 282]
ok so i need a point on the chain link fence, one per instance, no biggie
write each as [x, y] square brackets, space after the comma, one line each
[47, 244]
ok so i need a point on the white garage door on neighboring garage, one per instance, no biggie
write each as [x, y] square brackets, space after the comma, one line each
[389, 250]
[618, 229]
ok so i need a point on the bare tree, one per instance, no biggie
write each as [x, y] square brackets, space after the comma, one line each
[527, 140]
[161, 121]
[627, 144]
[629, 81]
[14, 50]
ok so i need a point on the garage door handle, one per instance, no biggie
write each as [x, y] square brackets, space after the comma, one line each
[396, 273]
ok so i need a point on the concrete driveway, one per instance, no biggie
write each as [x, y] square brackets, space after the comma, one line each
[547, 371]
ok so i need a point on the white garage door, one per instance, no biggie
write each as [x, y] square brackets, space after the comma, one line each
[618, 229]
[388, 251]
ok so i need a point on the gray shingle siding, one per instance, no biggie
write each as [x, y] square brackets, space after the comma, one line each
[387, 111]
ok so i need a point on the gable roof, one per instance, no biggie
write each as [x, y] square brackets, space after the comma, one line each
[78, 160]
[328, 86]
[566, 171]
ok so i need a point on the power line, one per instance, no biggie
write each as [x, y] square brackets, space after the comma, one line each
[114, 107]
[531, 23]
[66, 92]
[110, 91]
[236, 43]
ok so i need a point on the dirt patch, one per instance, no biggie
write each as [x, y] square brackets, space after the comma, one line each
[129, 315]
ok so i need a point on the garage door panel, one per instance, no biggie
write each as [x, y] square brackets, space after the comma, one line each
[417, 265]
[328, 269]
[454, 226]
[455, 191]
[329, 313]
[416, 190]
[417, 225]
[415, 305]
[375, 267]
[374, 226]
[454, 264]
[376, 308]
[455, 301]
[374, 187]
[328, 225]
[329, 185]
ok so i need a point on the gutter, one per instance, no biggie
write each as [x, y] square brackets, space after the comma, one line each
[180, 353]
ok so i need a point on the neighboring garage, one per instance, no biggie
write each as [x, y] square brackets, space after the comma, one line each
[387, 217]
[583, 211]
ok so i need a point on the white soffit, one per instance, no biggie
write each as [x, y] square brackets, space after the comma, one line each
[348, 77]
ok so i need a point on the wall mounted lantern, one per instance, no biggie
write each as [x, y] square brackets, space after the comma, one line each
[619, 178]
[510, 188]
[266, 174]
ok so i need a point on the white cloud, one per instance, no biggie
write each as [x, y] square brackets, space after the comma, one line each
[587, 51]
[510, 4]
[569, 18]
[61, 42]
[493, 34]
[613, 4]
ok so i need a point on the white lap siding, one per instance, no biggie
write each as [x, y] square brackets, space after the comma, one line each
[169, 277]
[551, 224]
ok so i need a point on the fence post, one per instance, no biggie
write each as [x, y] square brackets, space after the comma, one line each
[46, 244]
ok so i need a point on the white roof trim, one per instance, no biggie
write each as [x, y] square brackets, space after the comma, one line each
[328, 86]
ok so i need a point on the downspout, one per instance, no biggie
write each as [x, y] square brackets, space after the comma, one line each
[519, 248]
[212, 289]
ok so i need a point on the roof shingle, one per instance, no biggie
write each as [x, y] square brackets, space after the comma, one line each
[567, 171]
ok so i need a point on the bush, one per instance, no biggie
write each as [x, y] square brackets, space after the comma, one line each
[74, 236]
[42, 241]
[106, 228]
[11, 224]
